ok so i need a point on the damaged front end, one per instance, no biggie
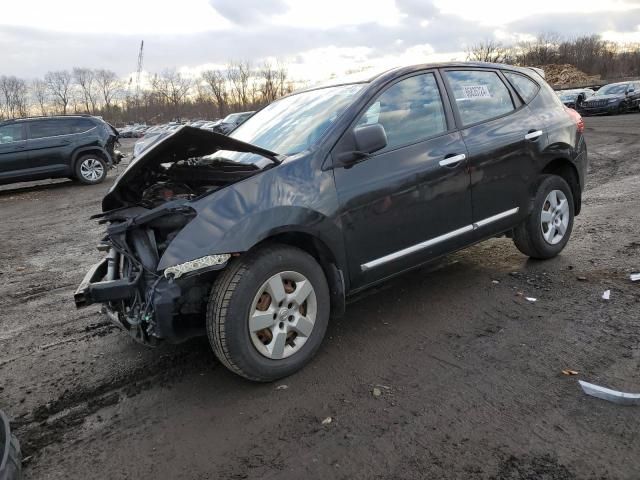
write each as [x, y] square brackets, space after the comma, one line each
[145, 209]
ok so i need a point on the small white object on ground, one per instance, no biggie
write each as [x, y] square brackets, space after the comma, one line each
[327, 421]
[614, 396]
[495, 281]
[635, 277]
[376, 392]
[606, 295]
[282, 387]
[531, 299]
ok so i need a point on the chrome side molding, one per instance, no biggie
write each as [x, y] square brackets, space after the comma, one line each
[439, 239]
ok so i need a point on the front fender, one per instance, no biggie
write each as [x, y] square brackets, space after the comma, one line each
[294, 197]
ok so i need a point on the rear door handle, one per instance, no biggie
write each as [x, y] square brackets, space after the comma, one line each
[533, 135]
[452, 160]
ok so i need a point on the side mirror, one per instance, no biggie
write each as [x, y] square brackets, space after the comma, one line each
[370, 138]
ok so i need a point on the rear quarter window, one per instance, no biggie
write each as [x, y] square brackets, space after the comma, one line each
[49, 128]
[80, 125]
[479, 95]
[526, 88]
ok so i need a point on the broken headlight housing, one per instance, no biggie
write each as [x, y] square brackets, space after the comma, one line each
[198, 264]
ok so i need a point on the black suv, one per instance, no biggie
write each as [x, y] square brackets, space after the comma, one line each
[613, 98]
[255, 238]
[80, 147]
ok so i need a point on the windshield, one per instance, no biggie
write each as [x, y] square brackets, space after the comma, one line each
[613, 89]
[293, 124]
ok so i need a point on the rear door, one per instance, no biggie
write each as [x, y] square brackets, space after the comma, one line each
[504, 138]
[13, 153]
[410, 201]
[49, 142]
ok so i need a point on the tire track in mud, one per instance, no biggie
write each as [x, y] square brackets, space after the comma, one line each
[48, 423]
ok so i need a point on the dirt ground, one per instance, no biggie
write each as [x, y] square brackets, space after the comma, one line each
[470, 373]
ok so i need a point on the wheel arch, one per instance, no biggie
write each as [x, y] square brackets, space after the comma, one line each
[86, 150]
[321, 252]
[565, 169]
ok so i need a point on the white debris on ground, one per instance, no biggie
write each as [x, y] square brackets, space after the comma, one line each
[606, 295]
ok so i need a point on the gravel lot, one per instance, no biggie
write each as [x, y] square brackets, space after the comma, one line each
[469, 372]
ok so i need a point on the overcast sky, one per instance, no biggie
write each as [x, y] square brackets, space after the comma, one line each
[316, 38]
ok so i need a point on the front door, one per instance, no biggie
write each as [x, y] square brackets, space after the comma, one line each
[13, 154]
[410, 201]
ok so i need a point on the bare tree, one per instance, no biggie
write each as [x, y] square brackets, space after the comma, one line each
[172, 87]
[40, 95]
[59, 86]
[239, 75]
[217, 83]
[487, 51]
[13, 96]
[85, 80]
[108, 85]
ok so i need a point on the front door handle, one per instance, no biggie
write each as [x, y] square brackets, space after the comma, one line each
[449, 161]
[533, 135]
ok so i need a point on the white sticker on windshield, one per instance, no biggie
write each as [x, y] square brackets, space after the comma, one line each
[476, 91]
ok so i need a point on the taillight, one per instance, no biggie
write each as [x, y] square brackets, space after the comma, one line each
[576, 117]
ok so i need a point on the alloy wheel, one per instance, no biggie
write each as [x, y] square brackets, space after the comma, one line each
[91, 169]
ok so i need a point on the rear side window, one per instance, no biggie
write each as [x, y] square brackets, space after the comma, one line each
[11, 133]
[80, 125]
[525, 87]
[410, 110]
[49, 128]
[479, 95]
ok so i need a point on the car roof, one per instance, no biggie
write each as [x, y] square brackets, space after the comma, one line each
[46, 117]
[373, 75]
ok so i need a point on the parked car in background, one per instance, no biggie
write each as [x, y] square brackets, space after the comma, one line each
[75, 146]
[613, 98]
[231, 122]
[211, 126]
[575, 98]
[255, 238]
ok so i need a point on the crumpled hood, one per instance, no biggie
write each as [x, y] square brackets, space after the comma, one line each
[185, 142]
[596, 98]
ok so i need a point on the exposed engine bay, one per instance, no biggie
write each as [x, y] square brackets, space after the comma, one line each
[189, 179]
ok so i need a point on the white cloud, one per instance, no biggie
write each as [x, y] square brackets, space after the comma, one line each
[501, 12]
[138, 17]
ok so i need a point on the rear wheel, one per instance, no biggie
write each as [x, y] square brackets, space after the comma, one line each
[91, 169]
[268, 313]
[546, 231]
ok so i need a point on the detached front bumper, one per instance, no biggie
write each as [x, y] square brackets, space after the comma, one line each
[93, 289]
[149, 311]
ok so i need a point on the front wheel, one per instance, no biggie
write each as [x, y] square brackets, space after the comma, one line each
[546, 231]
[268, 312]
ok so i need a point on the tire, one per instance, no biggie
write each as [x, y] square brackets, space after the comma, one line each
[90, 169]
[530, 237]
[243, 291]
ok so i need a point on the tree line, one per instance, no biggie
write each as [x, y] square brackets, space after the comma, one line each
[164, 96]
[590, 54]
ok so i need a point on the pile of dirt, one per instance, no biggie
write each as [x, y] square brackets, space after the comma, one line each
[567, 74]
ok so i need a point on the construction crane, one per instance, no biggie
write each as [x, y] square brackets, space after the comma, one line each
[139, 71]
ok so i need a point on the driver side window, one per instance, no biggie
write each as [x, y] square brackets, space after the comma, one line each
[410, 111]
